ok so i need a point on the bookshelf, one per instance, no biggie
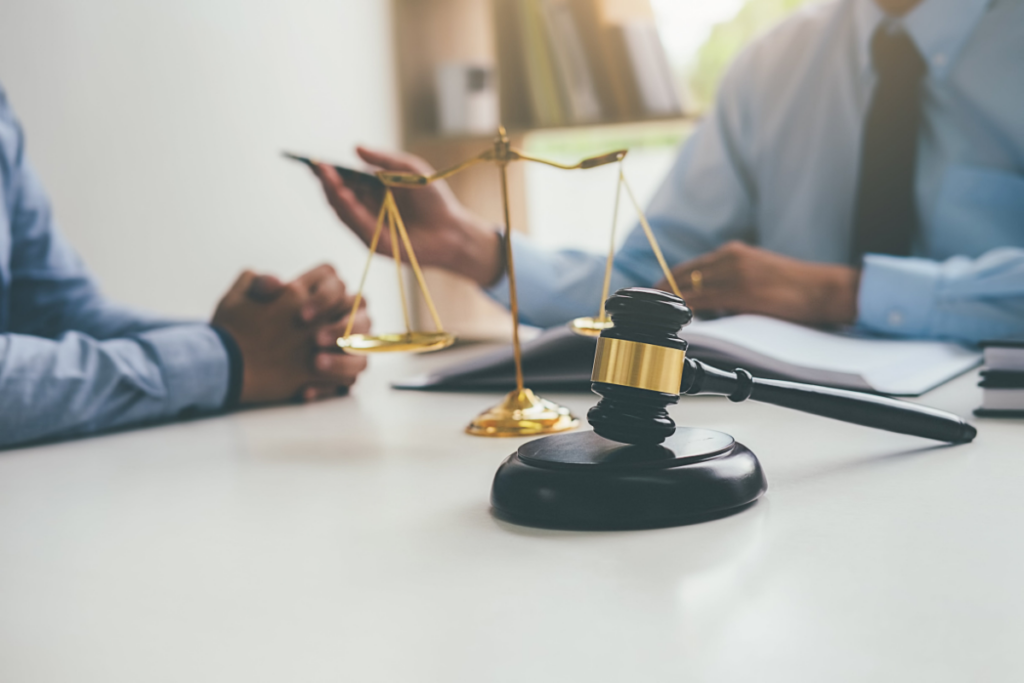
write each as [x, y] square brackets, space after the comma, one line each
[507, 35]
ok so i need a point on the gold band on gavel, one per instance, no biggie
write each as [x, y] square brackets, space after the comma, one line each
[638, 365]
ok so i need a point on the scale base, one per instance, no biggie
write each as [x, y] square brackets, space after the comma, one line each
[584, 481]
[523, 413]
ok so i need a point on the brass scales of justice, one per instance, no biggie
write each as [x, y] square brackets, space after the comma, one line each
[521, 412]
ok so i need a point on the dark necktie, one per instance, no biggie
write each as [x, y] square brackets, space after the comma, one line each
[885, 217]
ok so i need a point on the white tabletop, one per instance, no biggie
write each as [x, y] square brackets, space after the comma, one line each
[352, 541]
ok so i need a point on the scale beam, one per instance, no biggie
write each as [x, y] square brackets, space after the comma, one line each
[590, 162]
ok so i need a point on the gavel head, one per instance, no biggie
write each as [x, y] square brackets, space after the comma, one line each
[638, 366]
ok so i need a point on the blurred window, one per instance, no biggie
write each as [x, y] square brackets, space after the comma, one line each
[701, 38]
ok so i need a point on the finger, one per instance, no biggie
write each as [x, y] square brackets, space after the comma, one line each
[326, 301]
[314, 277]
[329, 178]
[240, 286]
[711, 299]
[664, 285]
[713, 268]
[694, 280]
[355, 212]
[369, 197]
[707, 300]
[702, 261]
[342, 307]
[317, 392]
[265, 288]
[334, 186]
[722, 288]
[327, 336]
[395, 161]
[340, 368]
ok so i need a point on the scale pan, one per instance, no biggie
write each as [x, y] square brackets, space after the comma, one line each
[408, 342]
[590, 327]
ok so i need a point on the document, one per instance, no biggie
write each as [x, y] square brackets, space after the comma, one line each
[559, 359]
[785, 350]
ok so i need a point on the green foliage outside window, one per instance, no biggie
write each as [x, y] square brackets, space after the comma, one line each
[728, 39]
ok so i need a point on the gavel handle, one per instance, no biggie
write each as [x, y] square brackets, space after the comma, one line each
[849, 406]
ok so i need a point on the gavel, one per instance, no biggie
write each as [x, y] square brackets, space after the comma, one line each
[636, 469]
[640, 369]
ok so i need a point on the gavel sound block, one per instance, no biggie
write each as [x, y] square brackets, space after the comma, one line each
[636, 469]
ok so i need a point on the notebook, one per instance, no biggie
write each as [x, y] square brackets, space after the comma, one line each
[561, 360]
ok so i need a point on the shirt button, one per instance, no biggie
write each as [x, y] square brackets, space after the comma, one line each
[939, 59]
[895, 318]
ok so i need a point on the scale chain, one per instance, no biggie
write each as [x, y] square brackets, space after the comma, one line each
[611, 245]
[415, 265]
[396, 255]
[369, 259]
[650, 237]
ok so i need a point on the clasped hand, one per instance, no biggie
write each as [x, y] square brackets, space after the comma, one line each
[287, 335]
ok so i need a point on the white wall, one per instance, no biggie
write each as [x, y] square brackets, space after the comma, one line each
[157, 127]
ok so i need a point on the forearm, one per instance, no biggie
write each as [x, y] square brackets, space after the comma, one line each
[76, 384]
[554, 287]
[962, 299]
[47, 305]
[477, 251]
[106, 320]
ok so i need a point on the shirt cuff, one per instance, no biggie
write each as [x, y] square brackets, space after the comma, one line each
[195, 364]
[235, 367]
[499, 291]
[541, 283]
[897, 295]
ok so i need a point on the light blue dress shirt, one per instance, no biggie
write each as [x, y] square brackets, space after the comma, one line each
[775, 164]
[70, 361]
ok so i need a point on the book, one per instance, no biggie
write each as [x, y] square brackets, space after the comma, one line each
[606, 65]
[1002, 380]
[581, 61]
[625, 53]
[998, 400]
[1004, 354]
[559, 359]
[652, 77]
[554, 360]
[542, 86]
[572, 69]
[516, 109]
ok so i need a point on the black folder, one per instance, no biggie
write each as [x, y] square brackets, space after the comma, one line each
[557, 360]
